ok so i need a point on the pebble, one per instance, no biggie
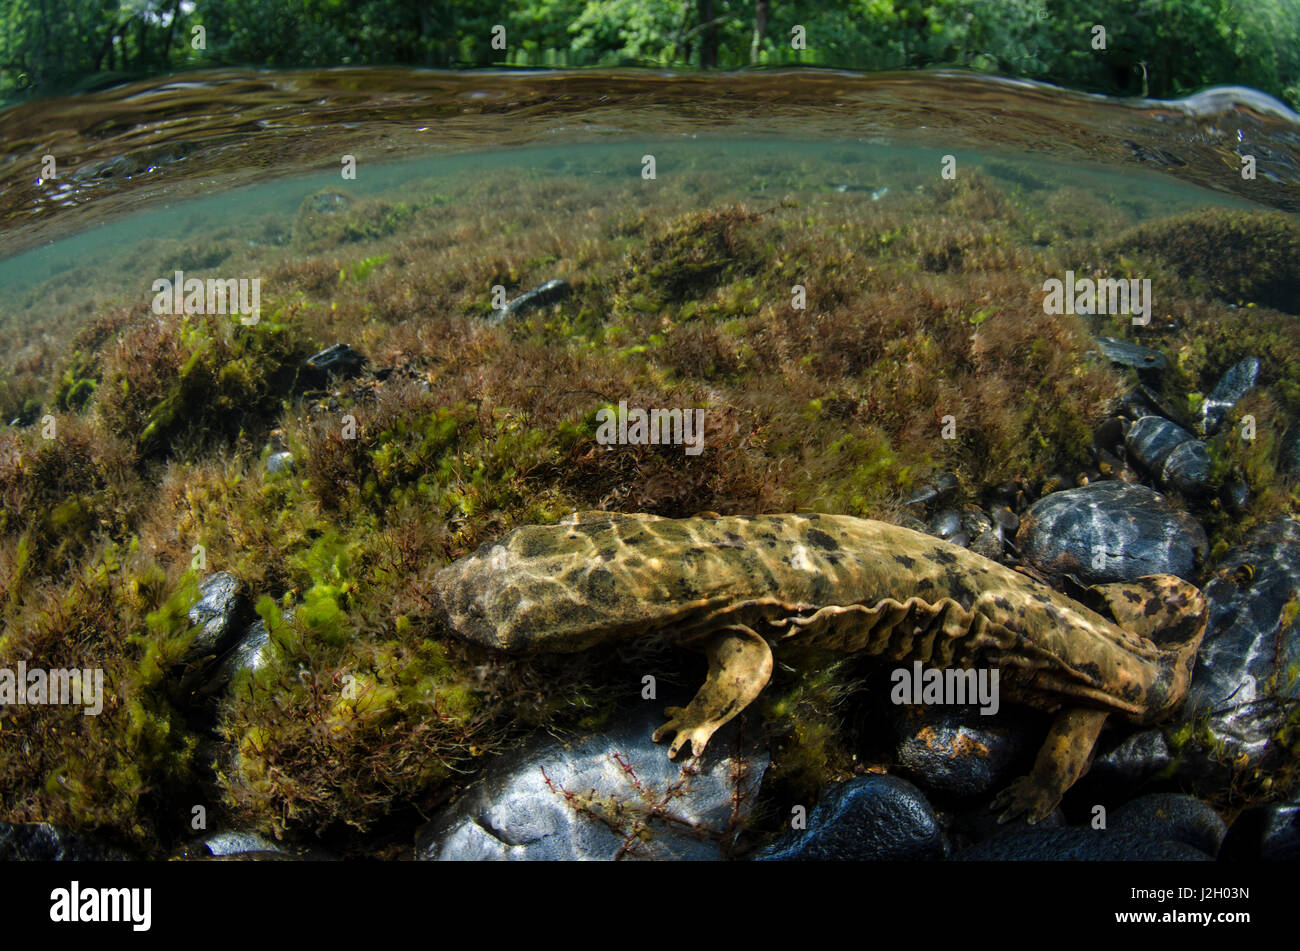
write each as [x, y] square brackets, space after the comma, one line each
[1111, 531]
[549, 293]
[865, 819]
[1231, 388]
[605, 796]
[1131, 354]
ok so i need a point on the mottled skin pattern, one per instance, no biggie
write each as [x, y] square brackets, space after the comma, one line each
[734, 586]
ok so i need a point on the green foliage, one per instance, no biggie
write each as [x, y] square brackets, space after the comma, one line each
[1158, 47]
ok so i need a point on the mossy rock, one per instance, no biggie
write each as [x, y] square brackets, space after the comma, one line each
[1236, 256]
[697, 253]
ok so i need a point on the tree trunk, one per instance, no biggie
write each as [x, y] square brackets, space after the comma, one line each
[709, 36]
[762, 8]
[167, 41]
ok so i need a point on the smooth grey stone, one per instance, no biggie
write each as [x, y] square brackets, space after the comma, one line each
[607, 796]
[1152, 438]
[551, 292]
[945, 523]
[338, 360]
[230, 842]
[279, 462]
[219, 614]
[1231, 388]
[1111, 531]
[254, 651]
[1187, 468]
[868, 818]
[1131, 354]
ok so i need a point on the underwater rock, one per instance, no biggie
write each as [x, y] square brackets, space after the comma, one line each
[1177, 458]
[938, 486]
[1289, 455]
[1187, 468]
[1281, 834]
[1237, 495]
[1231, 388]
[230, 842]
[1269, 832]
[220, 613]
[254, 650]
[868, 818]
[1243, 679]
[42, 842]
[1110, 531]
[1131, 354]
[338, 360]
[1006, 519]
[1134, 760]
[985, 537]
[607, 796]
[1152, 438]
[549, 293]
[945, 523]
[1082, 845]
[1172, 816]
[279, 462]
[957, 751]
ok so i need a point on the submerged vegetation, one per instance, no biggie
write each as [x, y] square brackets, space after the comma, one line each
[920, 304]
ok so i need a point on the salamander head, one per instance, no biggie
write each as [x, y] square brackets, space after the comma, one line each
[497, 598]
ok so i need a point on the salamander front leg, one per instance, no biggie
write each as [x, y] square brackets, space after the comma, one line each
[1065, 757]
[740, 663]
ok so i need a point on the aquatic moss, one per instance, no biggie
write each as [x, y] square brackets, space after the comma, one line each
[1235, 256]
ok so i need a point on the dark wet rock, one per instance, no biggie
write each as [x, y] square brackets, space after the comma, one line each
[552, 292]
[254, 651]
[1135, 759]
[1152, 438]
[612, 795]
[958, 751]
[868, 818]
[1131, 354]
[1144, 401]
[938, 486]
[1110, 531]
[1237, 495]
[1187, 468]
[1270, 832]
[1082, 845]
[1243, 679]
[1289, 453]
[961, 539]
[1109, 433]
[985, 536]
[1172, 816]
[1231, 388]
[339, 360]
[42, 842]
[945, 523]
[279, 462]
[1006, 519]
[1280, 839]
[220, 614]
